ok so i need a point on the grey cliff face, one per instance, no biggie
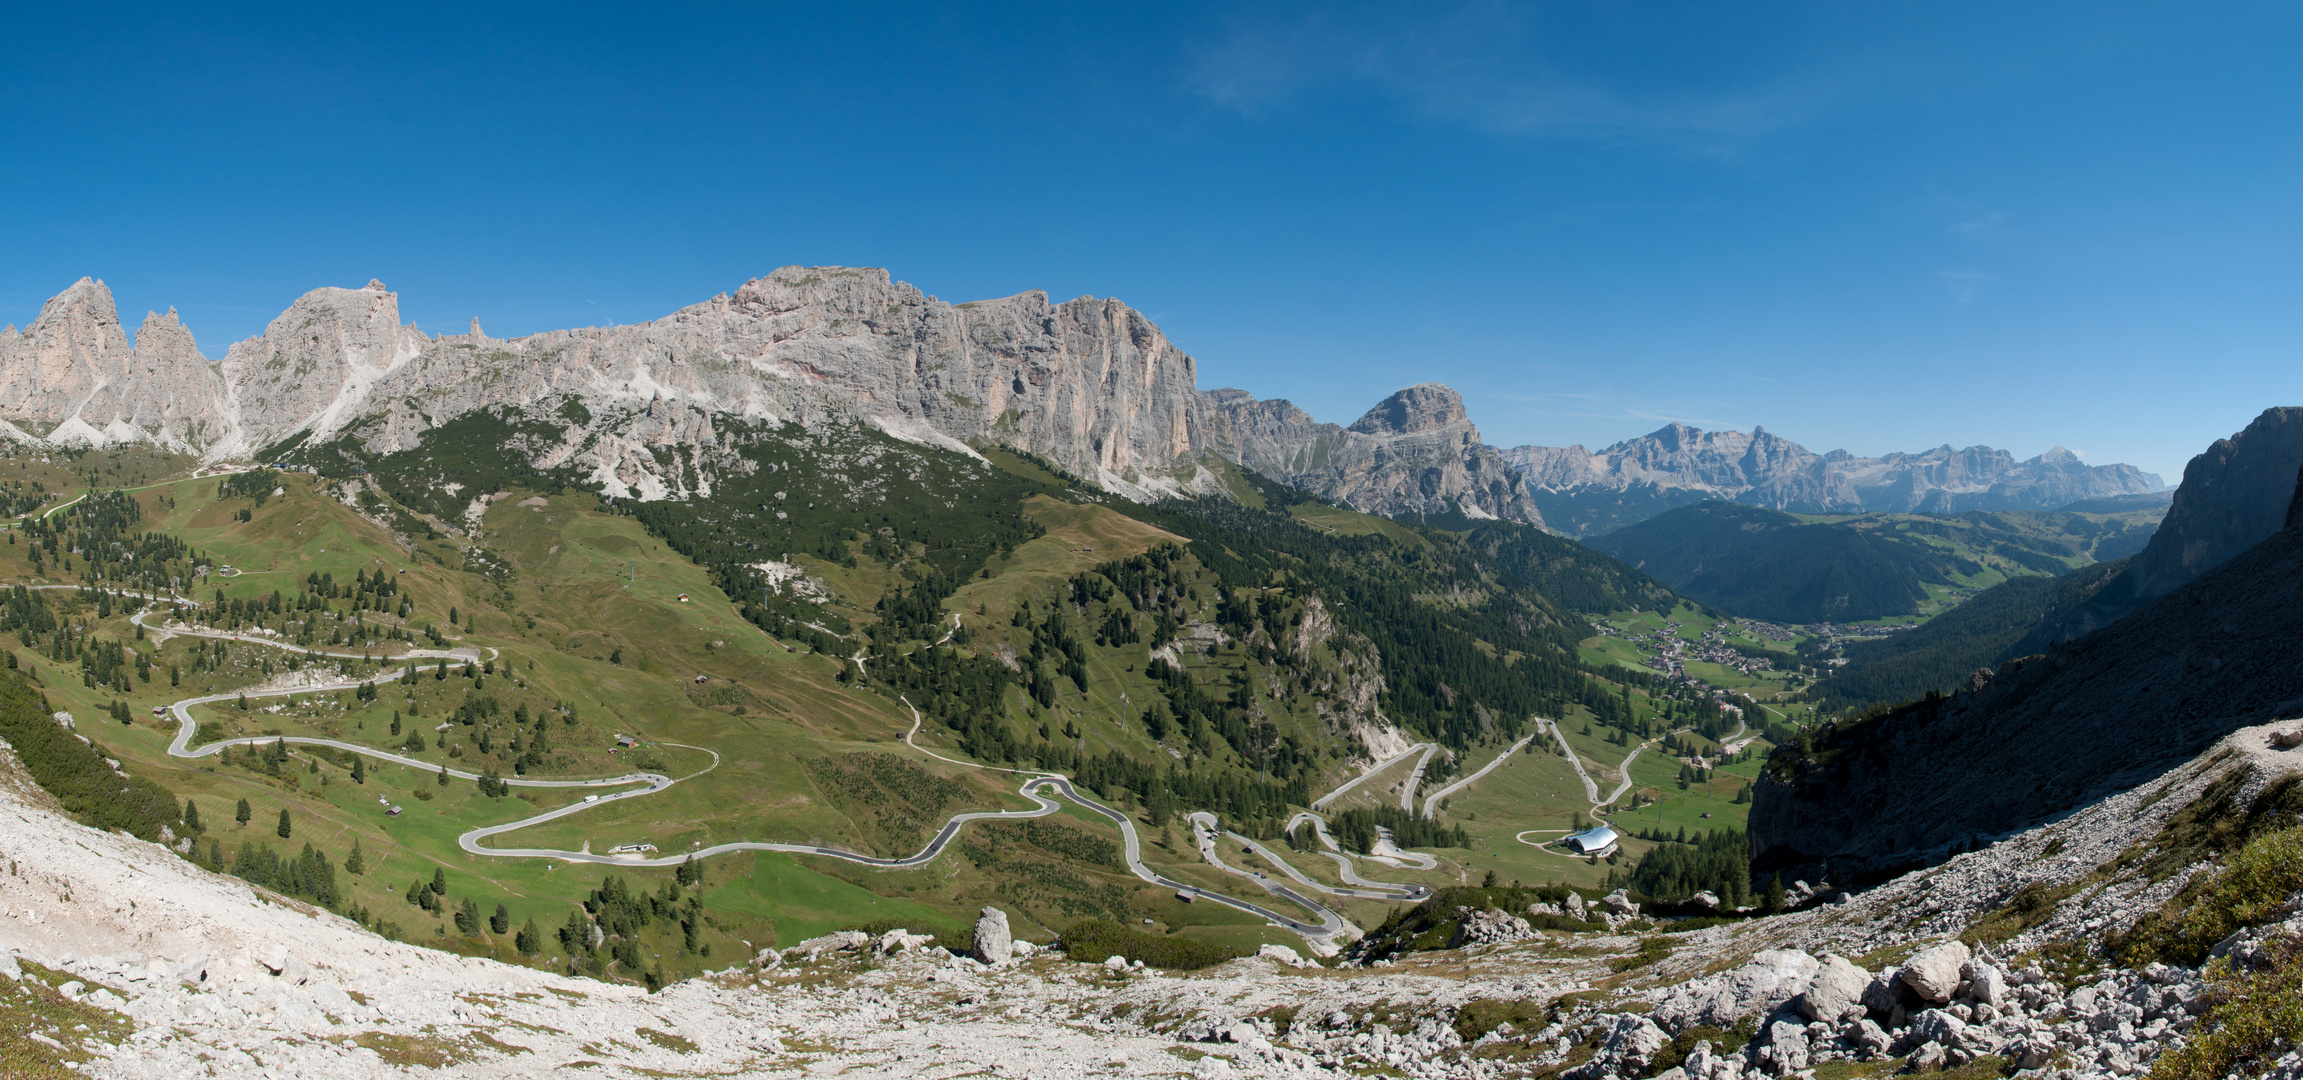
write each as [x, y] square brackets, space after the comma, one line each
[1415, 452]
[73, 377]
[2233, 496]
[1678, 464]
[1090, 384]
[317, 360]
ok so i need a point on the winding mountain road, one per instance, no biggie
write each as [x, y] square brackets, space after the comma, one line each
[1420, 748]
[1036, 786]
[1330, 926]
[1432, 800]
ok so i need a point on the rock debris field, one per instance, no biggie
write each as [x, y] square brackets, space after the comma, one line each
[130, 962]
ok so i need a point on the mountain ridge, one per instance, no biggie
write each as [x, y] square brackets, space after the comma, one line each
[1091, 385]
[1586, 492]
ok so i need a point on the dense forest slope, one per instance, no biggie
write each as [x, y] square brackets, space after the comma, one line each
[1947, 650]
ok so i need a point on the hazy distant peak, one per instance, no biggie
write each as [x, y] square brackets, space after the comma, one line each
[1677, 464]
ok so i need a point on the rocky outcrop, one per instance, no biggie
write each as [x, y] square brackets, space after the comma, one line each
[1415, 453]
[72, 378]
[1586, 492]
[2046, 733]
[1769, 981]
[318, 361]
[2238, 492]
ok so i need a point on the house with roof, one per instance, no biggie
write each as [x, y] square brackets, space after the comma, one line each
[1596, 842]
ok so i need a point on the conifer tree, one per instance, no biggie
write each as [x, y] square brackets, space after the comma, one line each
[357, 861]
[192, 816]
[243, 813]
[285, 827]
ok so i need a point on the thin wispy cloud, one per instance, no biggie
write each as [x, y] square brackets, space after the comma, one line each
[1483, 66]
[1988, 223]
[1690, 421]
[1965, 286]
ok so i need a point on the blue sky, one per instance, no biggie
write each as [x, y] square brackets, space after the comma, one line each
[1875, 227]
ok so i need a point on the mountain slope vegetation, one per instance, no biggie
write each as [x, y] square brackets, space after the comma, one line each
[769, 641]
[1944, 652]
[1765, 564]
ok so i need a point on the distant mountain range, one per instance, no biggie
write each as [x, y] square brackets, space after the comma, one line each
[1587, 493]
[1089, 385]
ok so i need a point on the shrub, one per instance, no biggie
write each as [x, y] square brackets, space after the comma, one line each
[75, 771]
[1092, 940]
[1476, 1018]
[2253, 1018]
[2249, 891]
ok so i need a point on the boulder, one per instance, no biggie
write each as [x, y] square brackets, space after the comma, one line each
[1837, 992]
[1936, 974]
[1868, 1036]
[1707, 898]
[1620, 902]
[900, 940]
[2288, 739]
[1881, 996]
[1786, 1050]
[1986, 984]
[1937, 1027]
[1575, 904]
[836, 941]
[1771, 979]
[1631, 1042]
[1116, 962]
[1701, 1061]
[992, 944]
[1488, 927]
[1022, 949]
[1282, 954]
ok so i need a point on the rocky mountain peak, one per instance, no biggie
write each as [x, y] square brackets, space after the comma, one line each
[1090, 383]
[1416, 452]
[2233, 496]
[165, 335]
[1413, 411]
